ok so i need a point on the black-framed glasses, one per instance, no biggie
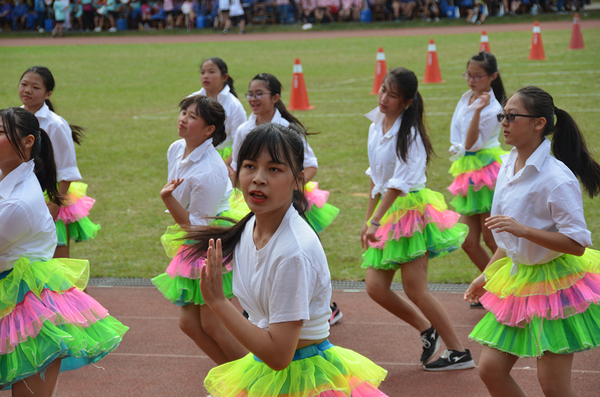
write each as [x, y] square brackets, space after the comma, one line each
[256, 96]
[510, 117]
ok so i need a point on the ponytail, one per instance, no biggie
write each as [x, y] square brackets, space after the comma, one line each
[568, 143]
[48, 79]
[45, 169]
[284, 146]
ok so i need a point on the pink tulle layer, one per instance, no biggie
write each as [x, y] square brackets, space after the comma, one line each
[412, 222]
[477, 179]
[184, 267]
[26, 319]
[315, 196]
[516, 311]
[77, 210]
[365, 389]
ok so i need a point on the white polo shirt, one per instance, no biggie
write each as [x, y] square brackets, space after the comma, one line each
[386, 169]
[489, 127]
[286, 280]
[310, 160]
[62, 143]
[235, 115]
[26, 226]
[546, 195]
[206, 187]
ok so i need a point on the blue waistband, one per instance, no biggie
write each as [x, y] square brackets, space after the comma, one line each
[471, 153]
[309, 351]
[5, 273]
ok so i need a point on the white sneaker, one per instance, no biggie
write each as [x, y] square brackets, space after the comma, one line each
[41, 30]
[98, 29]
[501, 11]
[112, 30]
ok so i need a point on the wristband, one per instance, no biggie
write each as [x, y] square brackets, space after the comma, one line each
[374, 223]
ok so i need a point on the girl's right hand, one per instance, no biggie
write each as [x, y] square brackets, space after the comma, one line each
[168, 189]
[475, 290]
[483, 101]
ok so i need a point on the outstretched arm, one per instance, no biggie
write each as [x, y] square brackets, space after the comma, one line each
[274, 347]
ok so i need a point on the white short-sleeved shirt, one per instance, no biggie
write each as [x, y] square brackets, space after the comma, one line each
[386, 169]
[26, 226]
[62, 143]
[223, 5]
[235, 115]
[310, 160]
[286, 280]
[489, 127]
[235, 8]
[546, 195]
[206, 187]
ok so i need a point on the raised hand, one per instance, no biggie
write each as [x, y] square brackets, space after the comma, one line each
[211, 279]
[168, 189]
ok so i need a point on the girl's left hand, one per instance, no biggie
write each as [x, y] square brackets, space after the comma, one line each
[211, 281]
[503, 223]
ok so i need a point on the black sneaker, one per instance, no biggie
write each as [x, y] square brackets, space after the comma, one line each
[336, 314]
[431, 344]
[451, 360]
[477, 305]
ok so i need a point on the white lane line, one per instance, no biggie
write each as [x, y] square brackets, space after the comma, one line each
[156, 355]
[343, 82]
[441, 98]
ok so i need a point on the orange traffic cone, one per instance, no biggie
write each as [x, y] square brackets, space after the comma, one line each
[576, 37]
[380, 71]
[299, 97]
[432, 70]
[484, 43]
[537, 48]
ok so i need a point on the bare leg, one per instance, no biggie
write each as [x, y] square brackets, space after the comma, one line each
[488, 236]
[494, 371]
[217, 332]
[36, 386]
[554, 374]
[190, 324]
[478, 255]
[378, 284]
[414, 280]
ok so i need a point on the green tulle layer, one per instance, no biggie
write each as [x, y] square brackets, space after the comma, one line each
[184, 291]
[225, 153]
[338, 369]
[476, 161]
[81, 230]
[572, 334]
[476, 202]
[433, 241]
[320, 218]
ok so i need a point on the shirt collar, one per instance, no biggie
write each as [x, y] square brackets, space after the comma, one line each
[198, 152]
[377, 117]
[8, 183]
[277, 118]
[536, 160]
[220, 96]
[44, 111]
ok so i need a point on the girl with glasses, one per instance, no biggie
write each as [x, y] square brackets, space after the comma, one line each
[476, 153]
[218, 84]
[542, 286]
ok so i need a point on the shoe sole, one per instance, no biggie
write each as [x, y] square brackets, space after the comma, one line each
[335, 319]
[438, 342]
[466, 365]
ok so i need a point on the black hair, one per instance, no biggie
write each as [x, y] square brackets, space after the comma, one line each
[19, 123]
[407, 84]
[488, 62]
[275, 87]
[46, 75]
[285, 146]
[568, 143]
[223, 68]
[211, 111]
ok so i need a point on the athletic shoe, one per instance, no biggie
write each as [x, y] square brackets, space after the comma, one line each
[112, 30]
[477, 305]
[431, 344]
[451, 360]
[336, 314]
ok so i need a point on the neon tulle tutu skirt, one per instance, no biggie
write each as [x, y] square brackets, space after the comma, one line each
[415, 225]
[320, 370]
[45, 315]
[74, 215]
[181, 282]
[475, 176]
[320, 214]
[551, 307]
[225, 152]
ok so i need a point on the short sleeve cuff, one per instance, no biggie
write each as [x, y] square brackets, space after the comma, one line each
[583, 237]
[68, 174]
[368, 172]
[311, 163]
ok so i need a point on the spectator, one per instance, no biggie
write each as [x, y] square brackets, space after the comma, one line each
[237, 16]
[5, 14]
[169, 11]
[224, 10]
[180, 21]
[477, 14]
[323, 11]
[112, 9]
[350, 10]
[60, 12]
[88, 14]
[136, 13]
[76, 13]
[158, 14]
[99, 17]
[428, 7]
[283, 6]
[146, 14]
[308, 10]
[20, 14]
[408, 8]
[42, 13]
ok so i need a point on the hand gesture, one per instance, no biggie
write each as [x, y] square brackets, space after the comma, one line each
[482, 101]
[168, 189]
[475, 290]
[503, 223]
[368, 234]
[211, 278]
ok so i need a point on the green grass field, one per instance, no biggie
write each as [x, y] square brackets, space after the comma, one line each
[126, 96]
